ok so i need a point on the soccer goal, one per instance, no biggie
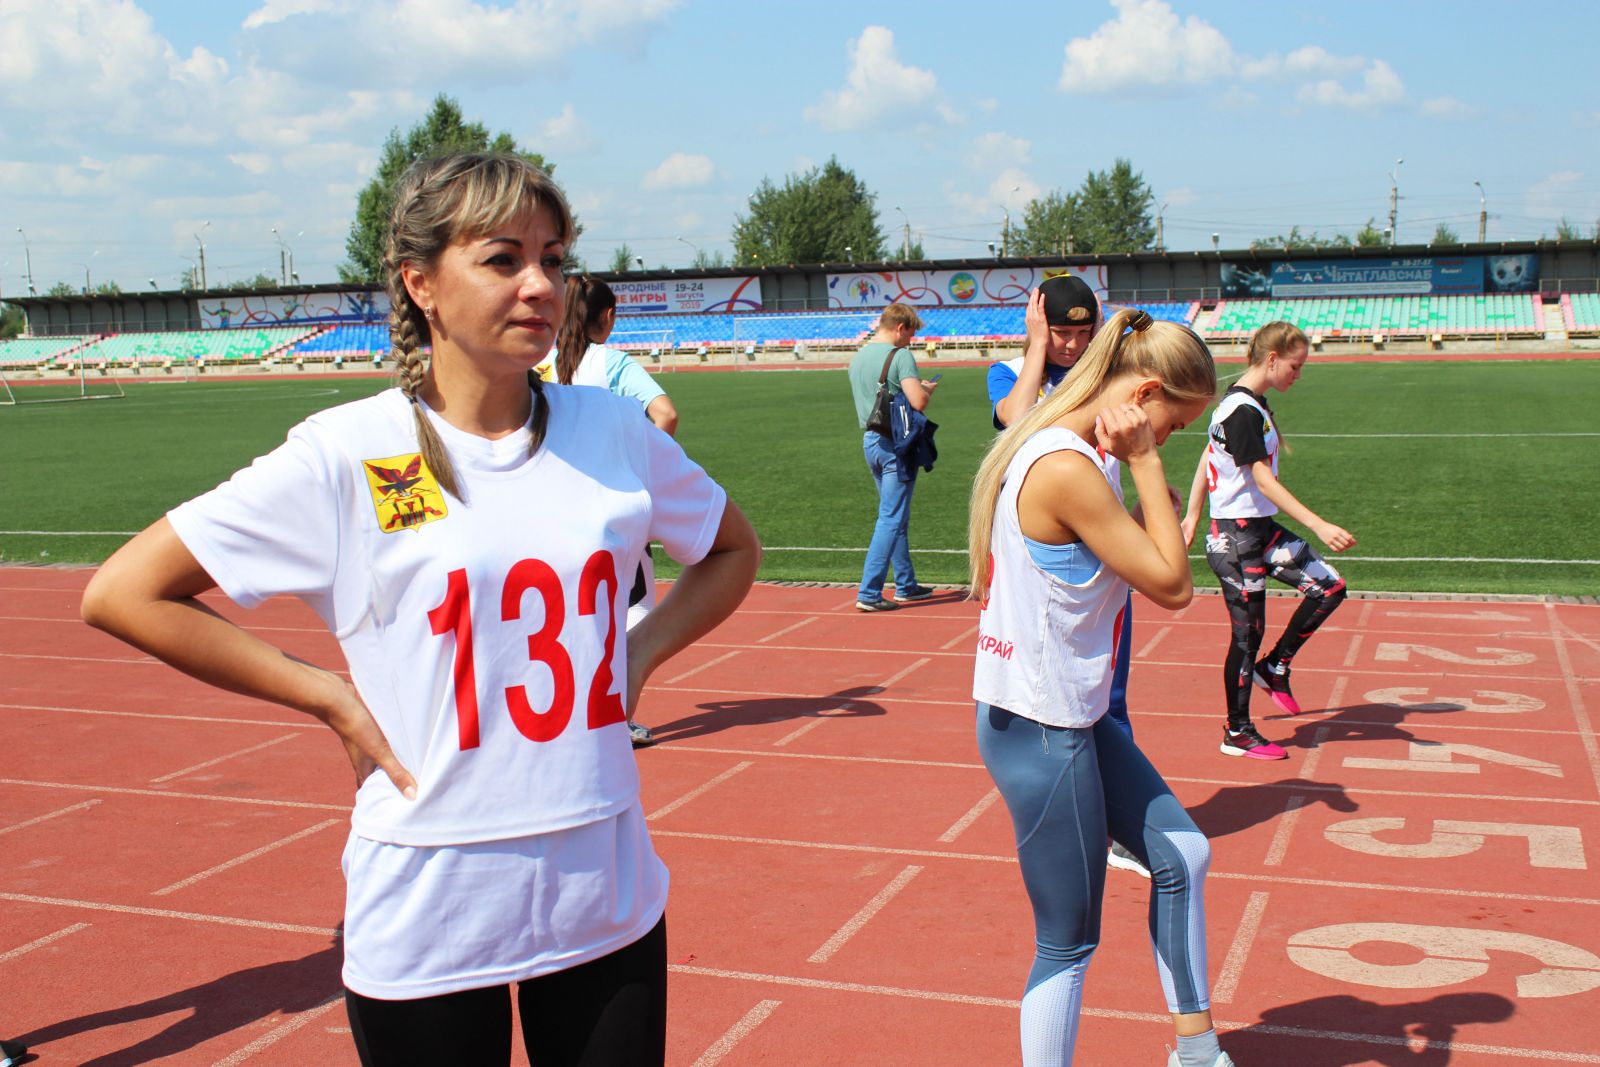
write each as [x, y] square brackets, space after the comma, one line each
[82, 383]
[800, 332]
[656, 345]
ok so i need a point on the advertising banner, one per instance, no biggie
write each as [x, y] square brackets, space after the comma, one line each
[674, 295]
[1409, 276]
[292, 309]
[950, 288]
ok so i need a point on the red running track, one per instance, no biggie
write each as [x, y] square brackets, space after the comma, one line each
[1415, 885]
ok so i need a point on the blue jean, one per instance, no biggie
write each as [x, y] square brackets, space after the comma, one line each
[889, 544]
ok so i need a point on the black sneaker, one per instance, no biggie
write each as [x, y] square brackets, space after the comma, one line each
[12, 1052]
[917, 592]
[876, 605]
[642, 735]
[1247, 741]
[1274, 678]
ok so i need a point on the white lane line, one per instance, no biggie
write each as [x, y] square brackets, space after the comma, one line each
[281, 1031]
[1355, 650]
[1574, 694]
[1280, 837]
[895, 677]
[41, 942]
[807, 621]
[37, 819]
[828, 846]
[700, 790]
[246, 858]
[172, 795]
[1196, 556]
[692, 671]
[221, 759]
[854, 924]
[965, 636]
[972, 816]
[1150, 645]
[1244, 939]
[737, 1033]
[797, 733]
[157, 715]
[1308, 766]
[164, 913]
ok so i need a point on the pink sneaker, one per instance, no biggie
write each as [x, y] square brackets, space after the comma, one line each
[1248, 742]
[1274, 678]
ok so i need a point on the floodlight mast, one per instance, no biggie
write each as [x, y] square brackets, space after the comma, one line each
[27, 256]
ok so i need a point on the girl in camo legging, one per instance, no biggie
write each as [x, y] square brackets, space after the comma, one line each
[1245, 544]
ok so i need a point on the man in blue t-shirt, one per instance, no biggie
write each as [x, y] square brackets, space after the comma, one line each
[887, 358]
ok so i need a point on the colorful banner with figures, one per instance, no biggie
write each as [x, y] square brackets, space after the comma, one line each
[1409, 276]
[292, 309]
[670, 295]
[950, 288]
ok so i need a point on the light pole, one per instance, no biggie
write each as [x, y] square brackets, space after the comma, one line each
[193, 274]
[849, 254]
[1394, 200]
[1161, 214]
[1216, 243]
[1483, 214]
[638, 261]
[202, 245]
[905, 248]
[285, 268]
[27, 257]
[153, 284]
[1005, 229]
[694, 246]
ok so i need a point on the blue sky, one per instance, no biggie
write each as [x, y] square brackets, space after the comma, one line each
[131, 126]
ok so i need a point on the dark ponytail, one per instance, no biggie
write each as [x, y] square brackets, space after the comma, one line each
[588, 299]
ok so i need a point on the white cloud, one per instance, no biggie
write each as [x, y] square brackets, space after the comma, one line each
[1446, 107]
[992, 150]
[566, 135]
[475, 41]
[1380, 87]
[681, 170]
[1146, 45]
[879, 87]
[254, 162]
[1553, 196]
[278, 10]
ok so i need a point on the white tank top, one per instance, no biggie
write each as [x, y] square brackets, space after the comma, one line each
[1045, 646]
[1234, 494]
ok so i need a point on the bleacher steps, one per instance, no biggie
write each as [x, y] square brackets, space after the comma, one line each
[1555, 323]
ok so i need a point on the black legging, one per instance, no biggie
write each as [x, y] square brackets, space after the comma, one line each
[1244, 553]
[609, 1012]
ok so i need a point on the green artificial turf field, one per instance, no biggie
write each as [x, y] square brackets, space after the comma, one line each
[1437, 468]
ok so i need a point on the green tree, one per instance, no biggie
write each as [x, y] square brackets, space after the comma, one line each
[63, 289]
[1444, 234]
[441, 131]
[704, 260]
[262, 280]
[621, 259]
[11, 321]
[1049, 226]
[1295, 240]
[1369, 236]
[825, 215]
[1115, 210]
[1566, 230]
[189, 280]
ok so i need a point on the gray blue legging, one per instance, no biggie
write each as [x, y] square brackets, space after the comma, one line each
[1066, 789]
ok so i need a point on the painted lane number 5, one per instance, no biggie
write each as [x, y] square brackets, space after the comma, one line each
[454, 616]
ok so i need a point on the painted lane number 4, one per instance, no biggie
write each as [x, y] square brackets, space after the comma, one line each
[454, 616]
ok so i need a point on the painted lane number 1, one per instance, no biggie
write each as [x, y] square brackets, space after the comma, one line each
[454, 616]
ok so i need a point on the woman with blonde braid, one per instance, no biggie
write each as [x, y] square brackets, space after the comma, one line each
[1053, 553]
[468, 538]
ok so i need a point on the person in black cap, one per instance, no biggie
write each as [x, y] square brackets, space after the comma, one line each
[1063, 315]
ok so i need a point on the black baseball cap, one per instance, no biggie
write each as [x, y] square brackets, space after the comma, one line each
[1068, 301]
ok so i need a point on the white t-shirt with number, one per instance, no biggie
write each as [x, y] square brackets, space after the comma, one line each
[486, 637]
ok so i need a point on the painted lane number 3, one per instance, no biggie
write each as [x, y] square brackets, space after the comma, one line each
[454, 616]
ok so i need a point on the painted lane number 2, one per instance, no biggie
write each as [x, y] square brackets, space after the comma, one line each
[454, 616]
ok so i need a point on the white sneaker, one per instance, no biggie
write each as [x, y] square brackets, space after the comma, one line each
[1222, 1060]
[1123, 859]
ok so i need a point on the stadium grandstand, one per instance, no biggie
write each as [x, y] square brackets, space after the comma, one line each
[1414, 295]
